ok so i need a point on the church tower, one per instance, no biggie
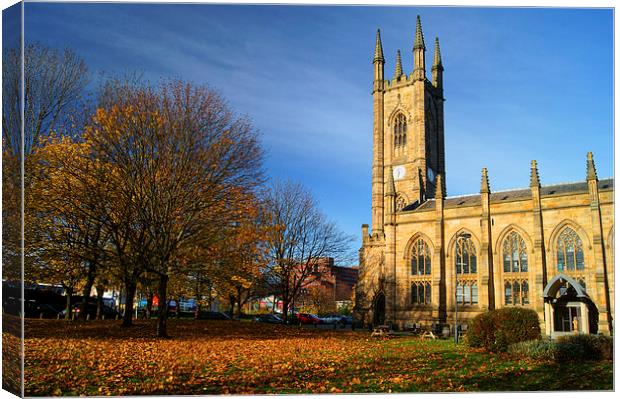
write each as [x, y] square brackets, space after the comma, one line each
[408, 130]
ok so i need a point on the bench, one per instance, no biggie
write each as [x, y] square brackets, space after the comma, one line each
[428, 334]
[380, 331]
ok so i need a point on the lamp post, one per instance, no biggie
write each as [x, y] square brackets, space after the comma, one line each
[460, 237]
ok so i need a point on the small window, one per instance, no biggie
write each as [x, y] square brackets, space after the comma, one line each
[400, 130]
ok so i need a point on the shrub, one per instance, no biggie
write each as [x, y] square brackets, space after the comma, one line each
[584, 347]
[566, 348]
[534, 349]
[495, 330]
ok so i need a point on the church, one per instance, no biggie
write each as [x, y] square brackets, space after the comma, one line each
[428, 257]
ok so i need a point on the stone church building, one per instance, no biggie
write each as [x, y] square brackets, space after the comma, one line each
[545, 247]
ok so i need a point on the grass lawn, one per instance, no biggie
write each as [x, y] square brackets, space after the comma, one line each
[214, 357]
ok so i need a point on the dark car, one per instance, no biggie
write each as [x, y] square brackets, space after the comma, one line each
[91, 310]
[211, 315]
[268, 318]
[308, 318]
[42, 310]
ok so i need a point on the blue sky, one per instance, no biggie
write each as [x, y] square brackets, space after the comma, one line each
[520, 84]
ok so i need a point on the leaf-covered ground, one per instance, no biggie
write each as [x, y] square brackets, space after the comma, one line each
[214, 357]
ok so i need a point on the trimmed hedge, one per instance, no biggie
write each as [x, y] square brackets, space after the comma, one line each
[585, 347]
[566, 348]
[495, 330]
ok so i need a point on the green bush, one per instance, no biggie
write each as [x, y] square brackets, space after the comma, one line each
[495, 330]
[566, 348]
[534, 349]
[584, 347]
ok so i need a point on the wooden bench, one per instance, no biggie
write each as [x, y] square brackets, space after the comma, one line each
[428, 334]
[380, 331]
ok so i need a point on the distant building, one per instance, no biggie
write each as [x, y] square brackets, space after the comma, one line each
[338, 281]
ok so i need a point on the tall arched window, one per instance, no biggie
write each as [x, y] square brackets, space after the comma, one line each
[465, 256]
[400, 130]
[420, 258]
[570, 251]
[514, 254]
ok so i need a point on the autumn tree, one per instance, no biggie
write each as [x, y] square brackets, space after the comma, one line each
[53, 82]
[182, 166]
[298, 235]
[65, 195]
[318, 299]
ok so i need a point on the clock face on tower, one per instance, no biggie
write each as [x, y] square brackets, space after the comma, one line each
[430, 175]
[399, 172]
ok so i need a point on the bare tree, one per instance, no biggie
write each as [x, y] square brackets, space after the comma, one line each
[299, 234]
[53, 84]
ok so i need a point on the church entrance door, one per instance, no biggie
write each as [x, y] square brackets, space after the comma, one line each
[568, 308]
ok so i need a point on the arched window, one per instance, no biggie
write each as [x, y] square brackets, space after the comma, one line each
[400, 130]
[420, 258]
[570, 251]
[421, 293]
[465, 256]
[514, 254]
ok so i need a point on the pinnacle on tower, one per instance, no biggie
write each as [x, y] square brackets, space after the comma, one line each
[419, 37]
[438, 187]
[591, 168]
[437, 58]
[484, 183]
[534, 180]
[378, 48]
[398, 72]
[391, 188]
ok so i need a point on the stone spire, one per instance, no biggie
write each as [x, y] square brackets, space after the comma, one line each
[418, 43]
[534, 180]
[591, 169]
[484, 182]
[438, 188]
[378, 48]
[419, 57]
[398, 72]
[437, 57]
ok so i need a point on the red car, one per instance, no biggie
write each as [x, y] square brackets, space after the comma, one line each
[307, 318]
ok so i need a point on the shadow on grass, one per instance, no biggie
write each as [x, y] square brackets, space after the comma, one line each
[177, 329]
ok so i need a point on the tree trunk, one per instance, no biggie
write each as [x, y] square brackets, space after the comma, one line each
[130, 293]
[100, 290]
[231, 300]
[86, 296]
[285, 305]
[149, 305]
[69, 312]
[163, 307]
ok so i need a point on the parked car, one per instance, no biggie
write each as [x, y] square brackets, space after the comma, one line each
[211, 315]
[91, 310]
[308, 318]
[332, 318]
[268, 318]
